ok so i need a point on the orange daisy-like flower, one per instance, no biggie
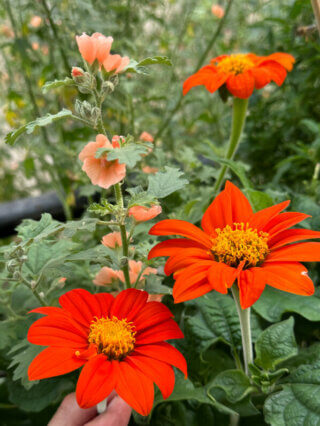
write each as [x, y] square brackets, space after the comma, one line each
[119, 341]
[241, 73]
[236, 244]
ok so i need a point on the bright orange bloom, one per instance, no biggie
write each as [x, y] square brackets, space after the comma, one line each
[146, 137]
[241, 73]
[101, 172]
[236, 244]
[115, 63]
[107, 275]
[141, 213]
[120, 342]
[94, 47]
[217, 11]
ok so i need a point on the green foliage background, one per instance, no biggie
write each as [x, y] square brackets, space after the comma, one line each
[279, 159]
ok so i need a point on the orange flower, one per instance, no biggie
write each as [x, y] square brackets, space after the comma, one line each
[141, 213]
[112, 240]
[148, 169]
[241, 73]
[115, 63]
[94, 47]
[120, 342]
[236, 244]
[217, 11]
[146, 137]
[101, 172]
[77, 72]
[36, 21]
[106, 275]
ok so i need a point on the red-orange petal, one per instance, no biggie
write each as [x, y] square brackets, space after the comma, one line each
[134, 387]
[48, 310]
[128, 303]
[192, 275]
[193, 292]
[165, 352]
[96, 381]
[241, 208]
[159, 372]
[207, 76]
[251, 283]
[291, 236]
[291, 277]
[166, 330]
[105, 301]
[241, 85]
[218, 214]
[183, 228]
[53, 362]
[221, 277]
[170, 247]
[284, 221]
[276, 71]
[260, 219]
[184, 258]
[261, 76]
[301, 252]
[82, 305]
[284, 59]
[152, 314]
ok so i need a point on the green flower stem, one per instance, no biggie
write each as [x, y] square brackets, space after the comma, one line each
[244, 317]
[238, 119]
[125, 246]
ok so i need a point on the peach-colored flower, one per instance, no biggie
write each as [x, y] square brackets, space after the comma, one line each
[107, 275]
[45, 49]
[7, 31]
[141, 213]
[35, 45]
[36, 21]
[217, 11]
[62, 280]
[101, 172]
[155, 297]
[148, 169]
[112, 240]
[115, 63]
[94, 47]
[146, 137]
[77, 72]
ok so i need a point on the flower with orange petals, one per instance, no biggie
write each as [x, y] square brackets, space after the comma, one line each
[112, 240]
[94, 47]
[142, 214]
[101, 172]
[107, 275]
[36, 21]
[150, 170]
[115, 63]
[236, 244]
[119, 342]
[241, 73]
[217, 11]
[146, 137]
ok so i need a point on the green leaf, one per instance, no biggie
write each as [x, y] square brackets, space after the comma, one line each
[129, 154]
[140, 197]
[165, 183]
[259, 200]
[33, 125]
[234, 383]
[139, 67]
[299, 401]
[274, 303]
[49, 85]
[276, 344]
[45, 393]
[216, 320]
[22, 354]
[34, 229]
[154, 285]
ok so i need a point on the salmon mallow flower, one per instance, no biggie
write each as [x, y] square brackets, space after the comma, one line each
[119, 342]
[142, 214]
[101, 172]
[217, 11]
[115, 63]
[146, 137]
[107, 275]
[254, 249]
[94, 47]
[36, 21]
[241, 73]
[112, 240]
[150, 170]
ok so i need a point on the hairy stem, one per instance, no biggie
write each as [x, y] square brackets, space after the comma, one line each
[238, 119]
[244, 317]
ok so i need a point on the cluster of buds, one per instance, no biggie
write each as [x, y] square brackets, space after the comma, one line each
[15, 258]
[88, 112]
[85, 81]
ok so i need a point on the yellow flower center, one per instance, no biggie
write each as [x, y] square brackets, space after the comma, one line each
[235, 64]
[113, 337]
[240, 243]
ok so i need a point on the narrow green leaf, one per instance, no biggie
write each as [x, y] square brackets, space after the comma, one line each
[139, 67]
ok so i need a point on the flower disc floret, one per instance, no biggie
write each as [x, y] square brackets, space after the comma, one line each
[113, 337]
[235, 64]
[240, 243]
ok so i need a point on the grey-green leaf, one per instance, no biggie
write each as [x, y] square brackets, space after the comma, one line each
[165, 183]
[129, 154]
[49, 85]
[276, 344]
[33, 125]
[139, 67]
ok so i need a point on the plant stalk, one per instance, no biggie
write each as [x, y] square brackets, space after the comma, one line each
[244, 317]
[238, 120]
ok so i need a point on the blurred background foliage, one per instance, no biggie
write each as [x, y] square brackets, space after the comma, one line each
[279, 154]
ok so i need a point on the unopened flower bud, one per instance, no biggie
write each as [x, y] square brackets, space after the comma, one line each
[123, 262]
[16, 275]
[33, 284]
[11, 265]
[107, 87]
[78, 75]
